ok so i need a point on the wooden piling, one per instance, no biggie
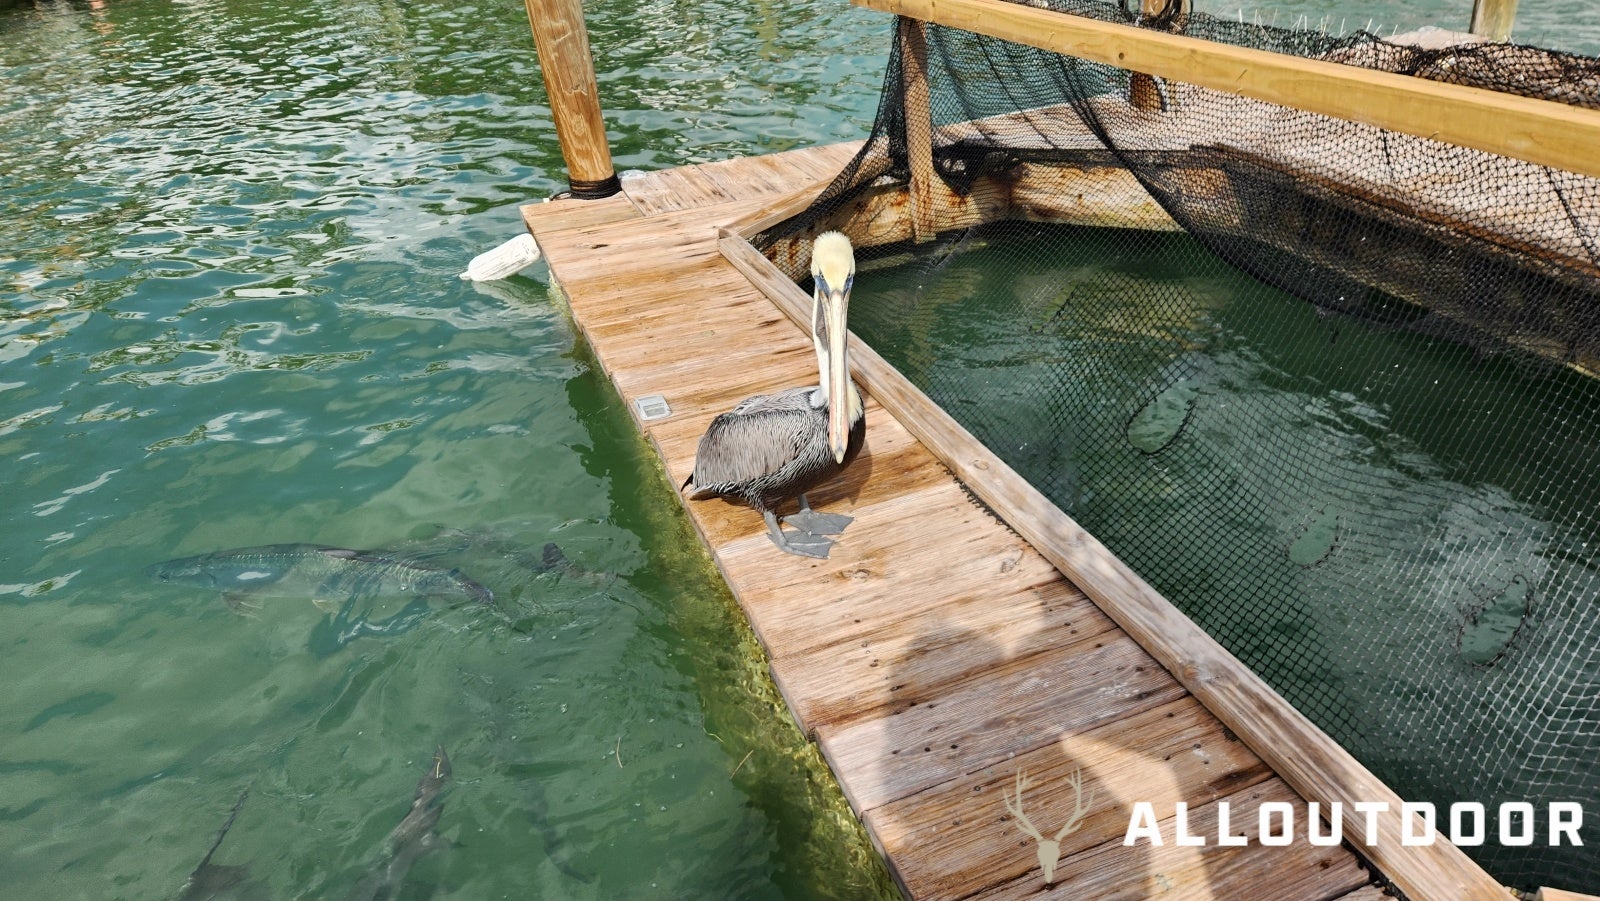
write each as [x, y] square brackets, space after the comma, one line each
[563, 45]
[1492, 19]
[1169, 15]
[919, 127]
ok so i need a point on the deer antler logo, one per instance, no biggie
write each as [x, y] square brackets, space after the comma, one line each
[1050, 848]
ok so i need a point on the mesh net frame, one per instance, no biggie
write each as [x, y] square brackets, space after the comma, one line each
[1355, 370]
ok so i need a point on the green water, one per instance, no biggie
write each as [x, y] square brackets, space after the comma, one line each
[229, 235]
[229, 316]
[1396, 532]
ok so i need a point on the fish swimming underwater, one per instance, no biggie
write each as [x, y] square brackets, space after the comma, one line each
[210, 880]
[320, 573]
[412, 838]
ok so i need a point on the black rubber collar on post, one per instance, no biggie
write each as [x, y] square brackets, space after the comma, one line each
[594, 190]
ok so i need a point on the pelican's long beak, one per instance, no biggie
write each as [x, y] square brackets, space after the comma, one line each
[833, 268]
[835, 304]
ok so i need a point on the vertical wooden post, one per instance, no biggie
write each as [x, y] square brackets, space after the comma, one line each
[1493, 18]
[919, 127]
[1169, 15]
[563, 43]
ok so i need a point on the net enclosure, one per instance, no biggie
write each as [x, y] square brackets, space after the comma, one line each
[1330, 389]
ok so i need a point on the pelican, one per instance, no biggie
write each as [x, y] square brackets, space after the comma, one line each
[773, 447]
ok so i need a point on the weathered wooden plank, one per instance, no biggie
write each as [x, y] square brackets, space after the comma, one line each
[751, 179]
[628, 255]
[1113, 871]
[1105, 196]
[1300, 752]
[827, 161]
[660, 360]
[1539, 131]
[699, 303]
[1367, 893]
[1024, 705]
[742, 179]
[642, 362]
[759, 178]
[671, 190]
[910, 659]
[902, 572]
[557, 215]
[959, 838]
[785, 208]
[686, 301]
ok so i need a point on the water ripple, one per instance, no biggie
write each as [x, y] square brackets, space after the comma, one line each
[229, 316]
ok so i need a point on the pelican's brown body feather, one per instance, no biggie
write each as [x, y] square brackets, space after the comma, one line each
[770, 448]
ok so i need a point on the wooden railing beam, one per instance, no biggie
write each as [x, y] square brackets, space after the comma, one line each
[1538, 131]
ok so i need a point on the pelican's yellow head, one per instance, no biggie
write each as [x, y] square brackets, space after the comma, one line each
[833, 268]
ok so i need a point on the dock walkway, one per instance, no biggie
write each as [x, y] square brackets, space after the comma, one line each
[936, 655]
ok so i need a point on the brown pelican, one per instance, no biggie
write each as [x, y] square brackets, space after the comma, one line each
[773, 447]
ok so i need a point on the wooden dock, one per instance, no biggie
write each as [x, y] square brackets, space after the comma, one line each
[936, 655]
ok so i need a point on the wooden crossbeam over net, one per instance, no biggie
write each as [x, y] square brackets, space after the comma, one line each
[1538, 131]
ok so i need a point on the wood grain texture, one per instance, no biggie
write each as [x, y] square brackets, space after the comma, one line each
[564, 59]
[1013, 709]
[919, 130]
[787, 208]
[960, 833]
[909, 660]
[555, 215]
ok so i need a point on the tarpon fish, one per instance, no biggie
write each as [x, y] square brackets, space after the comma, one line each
[322, 574]
[211, 880]
[412, 838]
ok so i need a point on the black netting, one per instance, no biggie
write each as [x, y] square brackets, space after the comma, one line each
[1330, 389]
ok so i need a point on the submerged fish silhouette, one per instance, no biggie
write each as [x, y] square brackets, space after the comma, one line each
[412, 838]
[212, 880]
[317, 572]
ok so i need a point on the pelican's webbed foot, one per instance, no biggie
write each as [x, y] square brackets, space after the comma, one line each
[814, 523]
[801, 544]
